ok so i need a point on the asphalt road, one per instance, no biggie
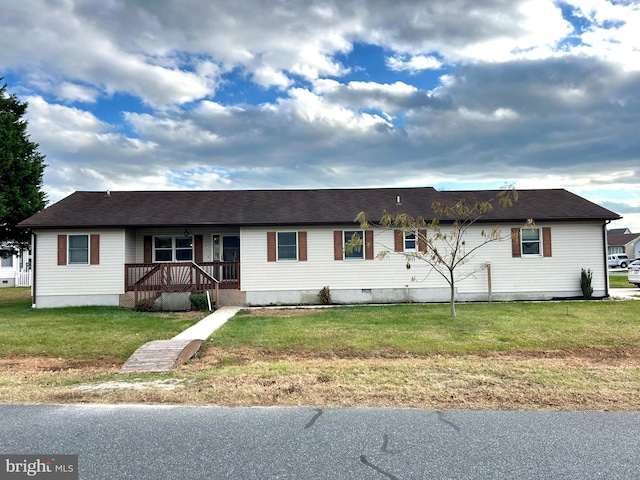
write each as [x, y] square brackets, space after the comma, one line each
[158, 442]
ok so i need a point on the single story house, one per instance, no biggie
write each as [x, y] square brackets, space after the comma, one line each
[272, 247]
[628, 243]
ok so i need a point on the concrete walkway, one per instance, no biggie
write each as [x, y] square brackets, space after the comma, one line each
[163, 355]
[625, 293]
[209, 324]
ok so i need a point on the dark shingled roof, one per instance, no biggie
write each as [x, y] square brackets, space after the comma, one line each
[621, 240]
[293, 207]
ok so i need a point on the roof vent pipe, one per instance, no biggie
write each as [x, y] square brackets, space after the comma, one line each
[398, 202]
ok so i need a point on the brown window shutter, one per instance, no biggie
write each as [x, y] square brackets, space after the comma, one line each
[368, 244]
[398, 241]
[337, 245]
[546, 241]
[422, 241]
[516, 248]
[271, 246]
[302, 246]
[148, 249]
[94, 249]
[62, 249]
[198, 249]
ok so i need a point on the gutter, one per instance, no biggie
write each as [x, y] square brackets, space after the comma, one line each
[606, 254]
[34, 242]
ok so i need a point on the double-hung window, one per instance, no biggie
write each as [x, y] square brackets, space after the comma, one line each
[410, 242]
[287, 246]
[354, 240]
[173, 249]
[78, 250]
[531, 242]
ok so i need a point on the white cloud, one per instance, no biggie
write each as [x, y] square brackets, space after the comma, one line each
[417, 63]
[70, 92]
[524, 95]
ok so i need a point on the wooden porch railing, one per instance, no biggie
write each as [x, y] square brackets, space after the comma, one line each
[188, 276]
[152, 280]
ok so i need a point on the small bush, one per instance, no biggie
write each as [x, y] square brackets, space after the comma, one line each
[585, 283]
[146, 305]
[324, 296]
[199, 302]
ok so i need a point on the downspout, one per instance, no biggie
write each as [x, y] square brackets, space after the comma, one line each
[34, 241]
[606, 264]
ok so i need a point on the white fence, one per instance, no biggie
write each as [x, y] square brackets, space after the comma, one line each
[23, 279]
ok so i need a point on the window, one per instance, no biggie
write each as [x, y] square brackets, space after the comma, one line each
[170, 249]
[410, 242]
[531, 241]
[287, 246]
[78, 249]
[356, 237]
[184, 249]
[7, 261]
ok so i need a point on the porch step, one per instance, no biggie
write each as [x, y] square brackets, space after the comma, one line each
[161, 355]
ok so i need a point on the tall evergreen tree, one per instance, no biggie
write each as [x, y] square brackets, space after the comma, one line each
[21, 170]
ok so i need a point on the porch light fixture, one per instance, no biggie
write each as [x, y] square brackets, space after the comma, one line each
[186, 232]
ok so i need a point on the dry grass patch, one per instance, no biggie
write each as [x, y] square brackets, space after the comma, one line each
[554, 381]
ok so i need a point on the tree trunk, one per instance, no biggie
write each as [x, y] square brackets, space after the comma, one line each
[452, 301]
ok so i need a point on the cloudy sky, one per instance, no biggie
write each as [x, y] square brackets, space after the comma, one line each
[237, 94]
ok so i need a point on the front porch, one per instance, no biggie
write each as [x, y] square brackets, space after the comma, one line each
[152, 280]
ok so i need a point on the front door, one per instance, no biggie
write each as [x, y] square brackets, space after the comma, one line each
[231, 248]
[230, 258]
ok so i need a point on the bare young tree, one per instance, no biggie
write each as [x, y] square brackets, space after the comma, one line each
[442, 241]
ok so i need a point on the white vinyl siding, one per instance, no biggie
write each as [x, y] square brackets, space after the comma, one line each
[559, 274]
[320, 269]
[130, 246]
[103, 279]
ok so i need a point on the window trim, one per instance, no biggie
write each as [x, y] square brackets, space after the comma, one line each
[88, 249]
[295, 245]
[362, 247]
[538, 241]
[414, 240]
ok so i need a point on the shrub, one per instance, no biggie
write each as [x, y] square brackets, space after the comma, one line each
[146, 305]
[585, 283]
[324, 296]
[199, 302]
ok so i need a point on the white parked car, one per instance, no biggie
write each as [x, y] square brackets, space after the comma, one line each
[634, 272]
[618, 260]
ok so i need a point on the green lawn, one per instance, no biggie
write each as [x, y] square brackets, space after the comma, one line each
[79, 332]
[426, 329]
[620, 281]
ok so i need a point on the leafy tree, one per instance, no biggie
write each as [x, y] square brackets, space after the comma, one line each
[442, 242]
[21, 170]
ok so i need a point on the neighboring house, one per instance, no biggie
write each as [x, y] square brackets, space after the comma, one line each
[618, 231]
[628, 243]
[271, 247]
[14, 269]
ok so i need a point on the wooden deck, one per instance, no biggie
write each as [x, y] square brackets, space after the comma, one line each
[161, 355]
